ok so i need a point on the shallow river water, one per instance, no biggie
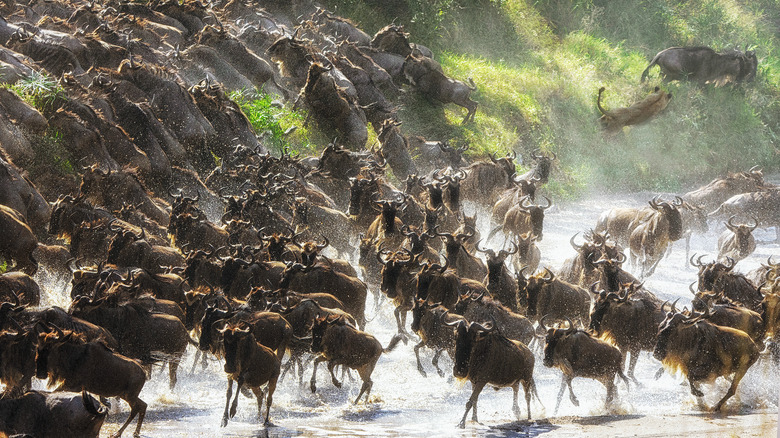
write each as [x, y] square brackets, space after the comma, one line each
[405, 404]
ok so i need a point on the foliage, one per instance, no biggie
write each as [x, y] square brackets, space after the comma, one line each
[281, 128]
[538, 66]
[38, 90]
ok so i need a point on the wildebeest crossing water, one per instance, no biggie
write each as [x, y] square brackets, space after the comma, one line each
[404, 403]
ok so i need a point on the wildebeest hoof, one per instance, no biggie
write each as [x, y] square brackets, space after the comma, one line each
[313, 387]
[440, 372]
[336, 383]
[232, 411]
[422, 372]
[575, 402]
[224, 421]
[462, 425]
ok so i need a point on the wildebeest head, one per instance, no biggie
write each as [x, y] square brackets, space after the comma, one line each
[392, 267]
[672, 215]
[533, 288]
[610, 269]
[466, 336]
[495, 262]
[710, 273]
[318, 330]
[601, 304]
[553, 336]
[47, 343]
[233, 337]
[741, 231]
[426, 274]
[507, 164]
[667, 327]
[536, 213]
[211, 316]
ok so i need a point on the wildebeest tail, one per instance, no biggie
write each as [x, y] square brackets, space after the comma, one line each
[652, 63]
[535, 392]
[393, 343]
[473, 86]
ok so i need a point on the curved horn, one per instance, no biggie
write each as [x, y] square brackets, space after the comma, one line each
[571, 328]
[576, 247]
[690, 288]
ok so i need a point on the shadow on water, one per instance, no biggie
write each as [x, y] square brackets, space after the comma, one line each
[603, 419]
[521, 429]
[367, 413]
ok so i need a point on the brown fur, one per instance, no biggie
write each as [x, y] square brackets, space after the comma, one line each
[640, 112]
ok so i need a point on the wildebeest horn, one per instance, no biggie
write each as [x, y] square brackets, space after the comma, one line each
[482, 327]
[550, 275]
[621, 257]
[541, 322]
[698, 262]
[678, 201]
[731, 263]
[571, 328]
[674, 307]
[730, 223]
[690, 288]
[576, 247]
[593, 288]
[549, 203]
[755, 224]
[521, 272]
[506, 253]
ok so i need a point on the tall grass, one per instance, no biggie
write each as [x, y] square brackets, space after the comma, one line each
[538, 66]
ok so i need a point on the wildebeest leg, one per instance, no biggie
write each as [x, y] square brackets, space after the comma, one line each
[475, 390]
[435, 362]
[271, 388]
[417, 355]
[659, 373]
[195, 362]
[733, 388]
[560, 394]
[258, 392]
[572, 397]
[610, 385]
[632, 365]
[173, 365]
[313, 383]
[365, 375]
[528, 386]
[137, 407]
[695, 391]
[234, 405]
[227, 402]
[331, 365]
[400, 319]
[515, 406]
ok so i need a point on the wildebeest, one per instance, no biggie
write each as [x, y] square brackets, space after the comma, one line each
[737, 241]
[710, 196]
[65, 357]
[52, 415]
[704, 65]
[578, 354]
[631, 323]
[640, 112]
[20, 247]
[649, 240]
[137, 330]
[544, 295]
[339, 343]
[426, 75]
[481, 308]
[719, 277]
[762, 205]
[248, 363]
[524, 217]
[430, 321]
[484, 356]
[704, 351]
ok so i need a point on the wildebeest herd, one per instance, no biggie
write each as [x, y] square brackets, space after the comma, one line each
[163, 248]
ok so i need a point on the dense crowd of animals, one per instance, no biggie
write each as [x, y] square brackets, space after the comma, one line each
[157, 239]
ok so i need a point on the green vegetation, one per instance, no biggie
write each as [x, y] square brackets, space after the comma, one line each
[39, 90]
[284, 128]
[538, 67]
[51, 156]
